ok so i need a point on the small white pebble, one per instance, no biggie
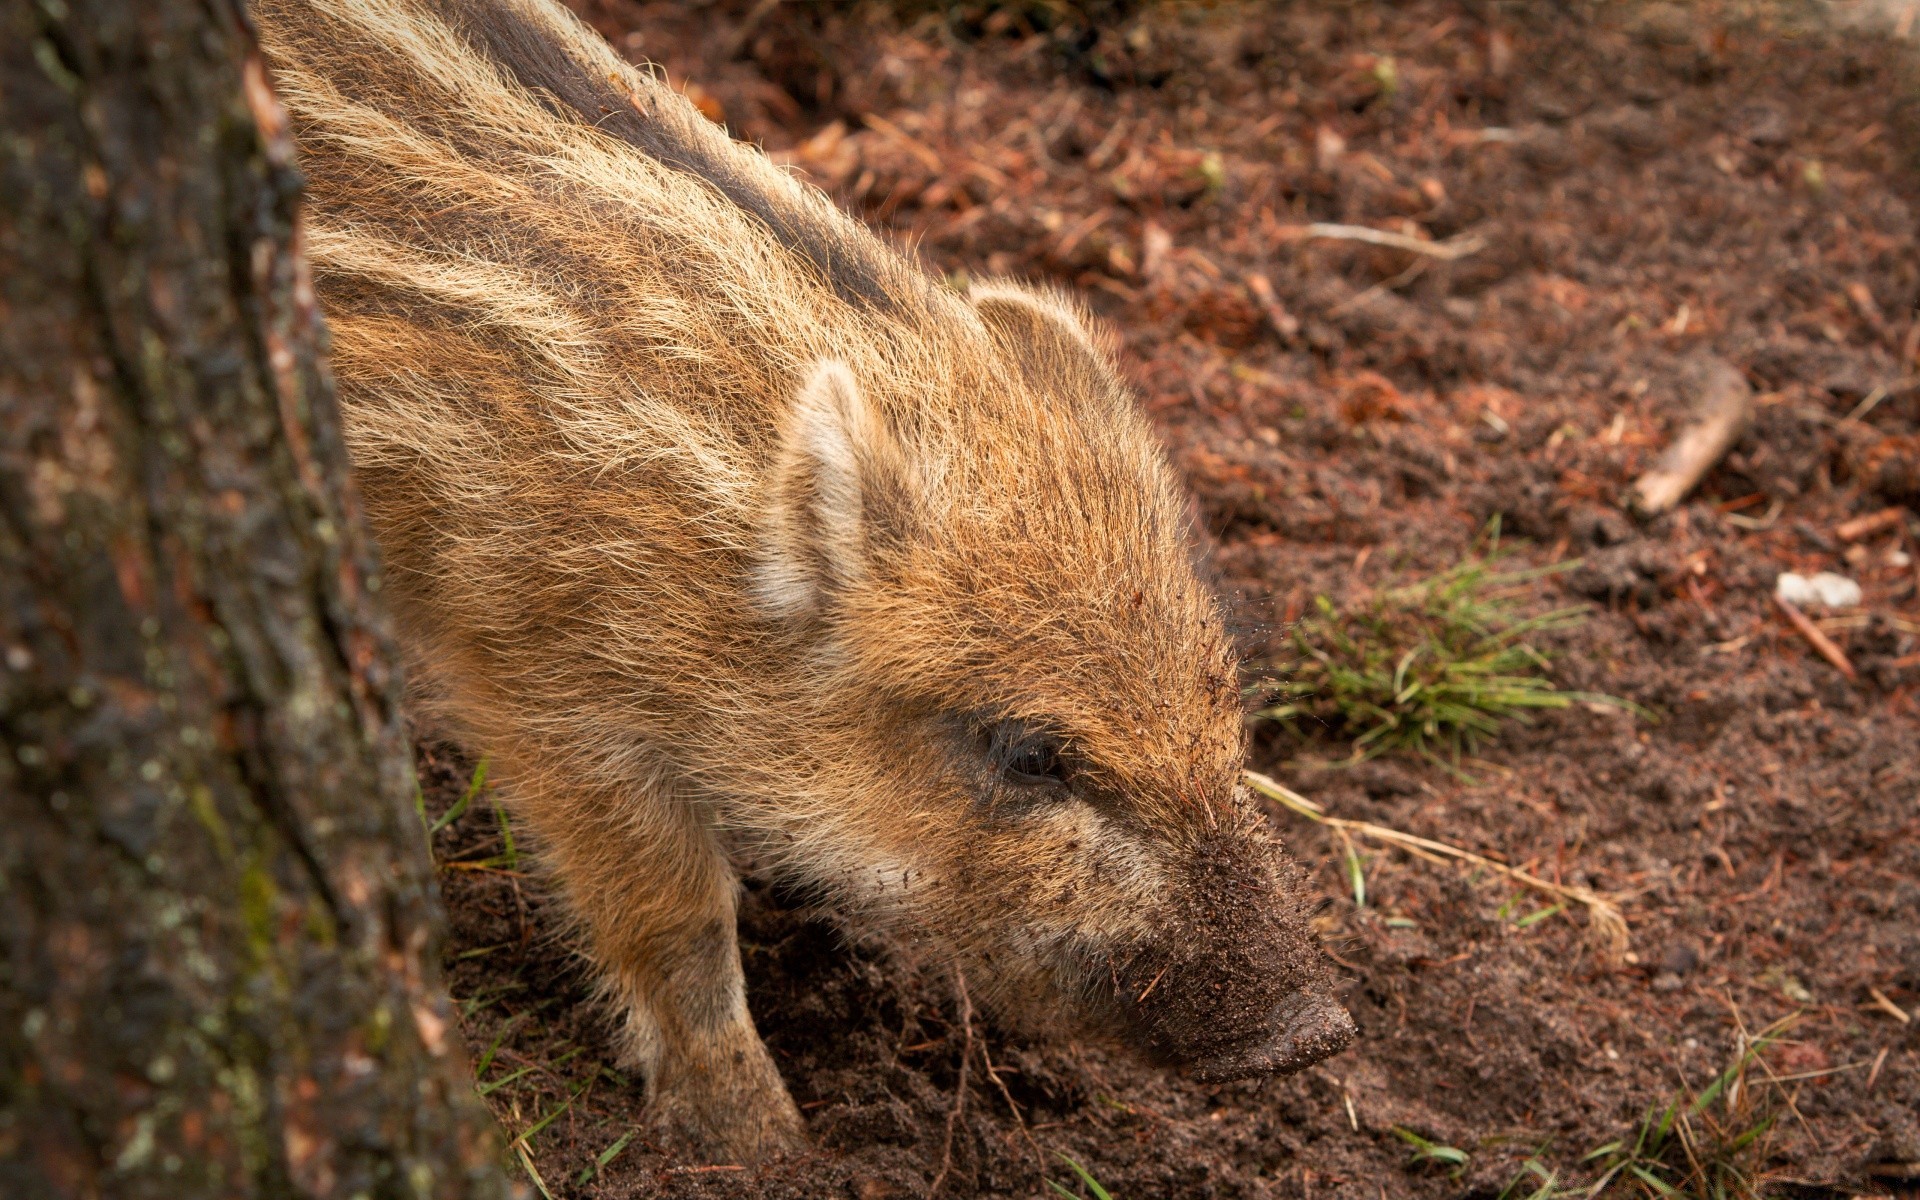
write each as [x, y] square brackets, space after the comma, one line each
[1899, 558]
[1826, 590]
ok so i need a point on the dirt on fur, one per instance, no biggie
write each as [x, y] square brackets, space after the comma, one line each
[1618, 189]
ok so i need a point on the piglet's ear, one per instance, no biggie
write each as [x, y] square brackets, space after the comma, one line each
[839, 495]
[1045, 335]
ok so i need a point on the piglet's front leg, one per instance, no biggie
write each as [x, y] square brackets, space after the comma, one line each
[658, 900]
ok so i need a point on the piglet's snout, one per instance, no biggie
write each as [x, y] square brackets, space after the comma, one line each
[1303, 1029]
[1233, 983]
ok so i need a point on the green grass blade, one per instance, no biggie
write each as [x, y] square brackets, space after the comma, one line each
[1427, 1150]
[1356, 876]
[1539, 915]
[508, 857]
[526, 1137]
[601, 1159]
[1093, 1185]
[493, 1047]
[460, 806]
[612, 1152]
[488, 1089]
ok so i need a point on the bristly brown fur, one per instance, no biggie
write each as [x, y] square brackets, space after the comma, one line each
[726, 531]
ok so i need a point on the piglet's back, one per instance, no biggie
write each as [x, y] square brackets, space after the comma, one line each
[567, 313]
[518, 236]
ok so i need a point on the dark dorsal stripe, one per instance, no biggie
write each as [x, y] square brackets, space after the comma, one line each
[849, 259]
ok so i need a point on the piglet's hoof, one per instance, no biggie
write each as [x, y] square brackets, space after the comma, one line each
[726, 1137]
[742, 1117]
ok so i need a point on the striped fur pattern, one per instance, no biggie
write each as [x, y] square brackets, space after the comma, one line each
[732, 537]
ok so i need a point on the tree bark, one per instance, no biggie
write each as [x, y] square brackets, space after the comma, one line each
[219, 974]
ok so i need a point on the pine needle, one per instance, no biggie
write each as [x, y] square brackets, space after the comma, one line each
[1607, 924]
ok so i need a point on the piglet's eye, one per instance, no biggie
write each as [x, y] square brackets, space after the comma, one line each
[1027, 756]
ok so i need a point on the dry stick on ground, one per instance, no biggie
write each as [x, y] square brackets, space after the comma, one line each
[1367, 295]
[1284, 323]
[1828, 649]
[1860, 528]
[960, 1089]
[1721, 411]
[1608, 925]
[1885, 1005]
[1453, 247]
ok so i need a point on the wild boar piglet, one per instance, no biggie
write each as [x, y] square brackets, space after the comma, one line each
[728, 534]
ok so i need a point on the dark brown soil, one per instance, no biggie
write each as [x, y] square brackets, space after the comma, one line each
[1649, 182]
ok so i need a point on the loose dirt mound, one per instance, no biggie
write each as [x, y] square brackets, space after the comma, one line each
[1630, 186]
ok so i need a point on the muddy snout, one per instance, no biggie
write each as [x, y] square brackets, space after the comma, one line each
[1232, 1021]
[1305, 1029]
[1233, 984]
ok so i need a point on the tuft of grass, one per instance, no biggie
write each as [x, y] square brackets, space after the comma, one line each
[1709, 1146]
[1438, 665]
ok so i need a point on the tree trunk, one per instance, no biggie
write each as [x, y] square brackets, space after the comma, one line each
[219, 975]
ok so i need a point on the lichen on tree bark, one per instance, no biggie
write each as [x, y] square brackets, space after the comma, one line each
[219, 974]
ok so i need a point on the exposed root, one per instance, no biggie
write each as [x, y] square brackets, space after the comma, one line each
[1039, 1155]
[959, 1089]
[1608, 925]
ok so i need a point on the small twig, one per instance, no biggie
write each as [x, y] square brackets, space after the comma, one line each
[1284, 323]
[1887, 1006]
[1819, 1072]
[960, 1089]
[743, 32]
[1865, 406]
[1873, 1076]
[1452, 248]
[928, 156]
[1098, 158]
[1367, 295]
[1721, 411]
[1861, 528]
[993, 1073]
[1605, 916]
[1825, 645]
[1757, 524]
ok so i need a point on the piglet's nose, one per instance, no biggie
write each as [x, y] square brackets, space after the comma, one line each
[1306, 1028]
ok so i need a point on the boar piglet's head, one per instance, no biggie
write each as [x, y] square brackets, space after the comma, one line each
[1027, 729]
